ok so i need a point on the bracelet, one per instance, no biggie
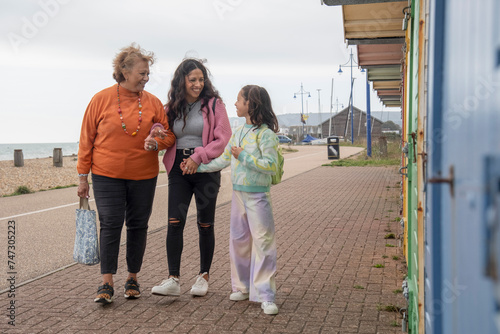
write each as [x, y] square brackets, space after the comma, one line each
[85, 175]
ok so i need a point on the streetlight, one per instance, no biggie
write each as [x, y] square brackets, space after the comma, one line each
[351, 59]
[302, 92]
[368, 120]
[331, 107]
[319, 110]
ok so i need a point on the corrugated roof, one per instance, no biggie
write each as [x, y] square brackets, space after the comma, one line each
[375, 27]
[373, 20]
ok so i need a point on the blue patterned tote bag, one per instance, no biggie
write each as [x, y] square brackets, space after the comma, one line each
[86, 249]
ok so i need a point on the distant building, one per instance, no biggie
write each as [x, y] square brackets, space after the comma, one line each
[341, 124]
[390, 128]
[317, 124]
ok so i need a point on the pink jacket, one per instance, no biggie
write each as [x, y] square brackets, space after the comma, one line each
[215, 136]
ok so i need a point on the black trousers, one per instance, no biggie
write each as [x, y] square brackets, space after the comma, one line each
[181, 188]
[120, 200]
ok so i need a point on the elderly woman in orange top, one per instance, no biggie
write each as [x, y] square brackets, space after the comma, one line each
[116, 148]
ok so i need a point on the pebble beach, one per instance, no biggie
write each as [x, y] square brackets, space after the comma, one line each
[40, 174]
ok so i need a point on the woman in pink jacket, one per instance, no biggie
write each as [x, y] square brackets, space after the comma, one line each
[199, 121]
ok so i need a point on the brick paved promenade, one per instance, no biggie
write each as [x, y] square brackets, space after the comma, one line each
[330, 226]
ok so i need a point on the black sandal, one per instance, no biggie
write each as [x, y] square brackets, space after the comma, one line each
[102, 292]
[132, 284]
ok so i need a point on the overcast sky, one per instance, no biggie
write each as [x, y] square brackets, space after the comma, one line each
[56, 54]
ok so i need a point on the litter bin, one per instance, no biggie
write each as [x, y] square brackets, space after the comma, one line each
[333, 148]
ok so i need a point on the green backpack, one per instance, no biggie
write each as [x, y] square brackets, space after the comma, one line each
[276, 178]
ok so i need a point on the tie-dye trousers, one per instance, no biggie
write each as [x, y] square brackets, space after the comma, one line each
[252, 246]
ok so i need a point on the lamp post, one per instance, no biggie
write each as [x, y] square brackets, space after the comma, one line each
[331, 107]
[351, 59]
[368, 120]
[302, 92]
[319, 111]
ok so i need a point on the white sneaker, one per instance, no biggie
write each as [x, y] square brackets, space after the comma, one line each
[269, 308]
[238, 296]
[169, 287]
[200, 287]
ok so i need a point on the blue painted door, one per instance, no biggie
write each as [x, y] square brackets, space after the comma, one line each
[462, 289]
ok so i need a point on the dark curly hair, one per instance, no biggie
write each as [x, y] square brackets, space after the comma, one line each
[177, 103]
[260, 108]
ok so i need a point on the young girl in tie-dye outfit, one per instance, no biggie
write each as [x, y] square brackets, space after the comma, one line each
[252, 154]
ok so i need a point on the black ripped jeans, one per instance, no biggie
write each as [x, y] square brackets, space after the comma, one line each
[205, 187]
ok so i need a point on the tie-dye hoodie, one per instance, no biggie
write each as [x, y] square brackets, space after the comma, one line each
[252, 171]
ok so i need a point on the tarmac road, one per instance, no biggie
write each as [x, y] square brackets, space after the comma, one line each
[44, 221]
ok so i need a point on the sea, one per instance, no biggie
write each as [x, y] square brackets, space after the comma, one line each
[40, 150]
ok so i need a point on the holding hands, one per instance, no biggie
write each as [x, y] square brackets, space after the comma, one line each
[159, 132]
[188, 166]
[150, 143]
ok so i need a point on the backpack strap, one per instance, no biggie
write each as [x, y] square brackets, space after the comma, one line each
[260, 134]
[213, 105]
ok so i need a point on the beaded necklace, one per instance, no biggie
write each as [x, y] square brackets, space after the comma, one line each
[121, 116]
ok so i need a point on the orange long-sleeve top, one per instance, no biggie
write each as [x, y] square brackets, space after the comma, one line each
[105, 148]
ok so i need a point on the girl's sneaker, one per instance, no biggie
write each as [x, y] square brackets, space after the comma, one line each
[269, 308]
[238, 295]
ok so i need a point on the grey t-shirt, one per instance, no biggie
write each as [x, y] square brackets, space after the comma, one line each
[190, 136]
